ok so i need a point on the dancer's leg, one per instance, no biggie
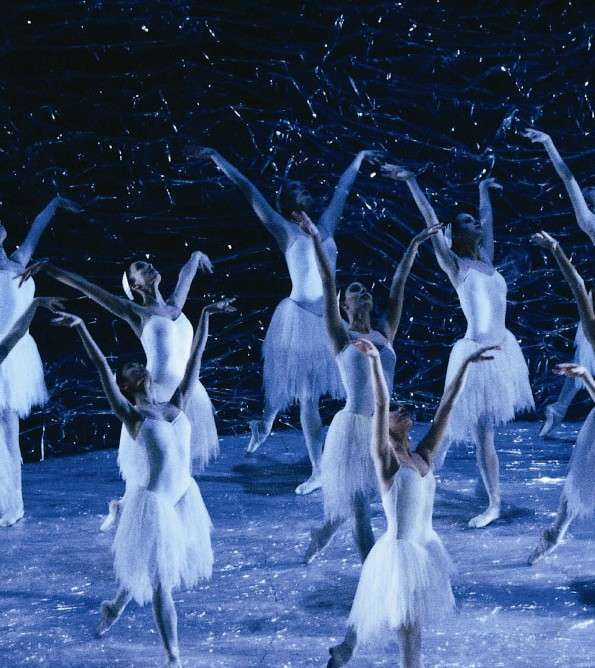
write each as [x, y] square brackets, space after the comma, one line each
[12, 509]
[320, 538]
[554, 413]
[262, 428]
[410, 646]
[111, 611]
[312, 429]
[341, 654]
[167, 623]
[362, 526]
[552, 537]
[489, 468]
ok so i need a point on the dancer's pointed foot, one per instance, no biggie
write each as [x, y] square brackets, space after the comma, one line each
[109, 616]
[309, 485]
[485, 518]
[260, 433]
[319, 539]
[552, 420]
[113, 515]
[548, 542]
[11, 517]
[340, 655]
[174, 662]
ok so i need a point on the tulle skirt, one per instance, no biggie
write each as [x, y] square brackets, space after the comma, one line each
[22, 385]
[496, 389]
[157, 543]
[583, 353]
[401, 583]
[298, 360]
[347, 467]
[579, 487]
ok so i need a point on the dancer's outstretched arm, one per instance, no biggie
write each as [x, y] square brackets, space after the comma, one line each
[446, 258]
[332, 318]
[575, 281]
[577, 371]
[199, 342]
[330, 218]
[486, 217]
[24, 253]
[584, 216]
[20, 327]
[280, 228]
[198, 260]
[122, 308]
[392, 315]
[430, 443]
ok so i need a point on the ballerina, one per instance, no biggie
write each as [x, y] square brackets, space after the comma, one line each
[497, 391]
[348, 479]
[583, 203]
[578, 496]
[298, 362]
[163, 537]
[165, 334]
[405, 581]
[22, 385]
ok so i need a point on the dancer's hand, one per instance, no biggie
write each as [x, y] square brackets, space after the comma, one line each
[67, 204]
[303, 221]
[204, 263]
[199, 153]
[481, 355]
[32, 270]
[53, 304]
[570, 369]
[490, 183]
[545, 240]
[366, 347]
[373, 156]
[66, 320]
[427, 233]
[536, 136]
[222, 306]
[396, 173]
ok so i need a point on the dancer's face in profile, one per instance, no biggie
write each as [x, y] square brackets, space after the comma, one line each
[399, 424]
[467, 228]
[142, 275]
[133, 377]
[357, 297]
[294, 196]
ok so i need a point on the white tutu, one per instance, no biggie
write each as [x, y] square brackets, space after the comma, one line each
[157, 543]
[347, 467]
[583, 354]
[579, 487]
[204, 441]
[497, 389]
[298, 360]
[22, 385]
[401, 583]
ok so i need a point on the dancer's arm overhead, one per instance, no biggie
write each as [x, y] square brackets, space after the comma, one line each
[24, 253]
[575, 281]
[332, 318]
[577, 371]
[486, 217]
[392, 315]
[198, 260]
[584, 216]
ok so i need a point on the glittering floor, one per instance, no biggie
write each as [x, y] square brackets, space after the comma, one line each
[263, 608]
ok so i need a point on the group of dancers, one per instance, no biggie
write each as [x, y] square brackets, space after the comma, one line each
[316, 344]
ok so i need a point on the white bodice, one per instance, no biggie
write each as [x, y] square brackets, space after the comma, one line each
[354, 368]
[14, 301]
[483, 300]
[167, 345]
[408, 505]
[303, 271]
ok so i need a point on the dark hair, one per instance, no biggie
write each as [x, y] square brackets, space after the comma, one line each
[120, 380]
[286, 201]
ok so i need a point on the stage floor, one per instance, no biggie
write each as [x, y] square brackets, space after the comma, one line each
[263, 608]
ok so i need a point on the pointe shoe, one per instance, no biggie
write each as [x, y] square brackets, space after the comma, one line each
[485, 518]
[552, 420]
[174, 662]
[113, 516]
[548, 542]
[108, 618]
[313, 483]
[11, 518]
[340, 655]
[259, 435]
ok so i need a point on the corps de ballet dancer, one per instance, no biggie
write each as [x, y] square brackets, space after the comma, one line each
[298, 362]
[163, 540]
[166, 335]
[348, 478]
[578, 495]
[405, 581]
[496, 391]
[583, 203]
[22, 384]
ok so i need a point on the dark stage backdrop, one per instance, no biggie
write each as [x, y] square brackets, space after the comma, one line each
[100, 98]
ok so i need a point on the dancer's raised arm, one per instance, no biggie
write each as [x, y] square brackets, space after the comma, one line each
[198, 260]
[575, 281]
[577, 371]
[584, 216]
[25, 251]
[486, 217]
[430, 443]
[392, 315]
[182, 394]
[330, 218]
[446, 258]
[332, 318]
[20, 327]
